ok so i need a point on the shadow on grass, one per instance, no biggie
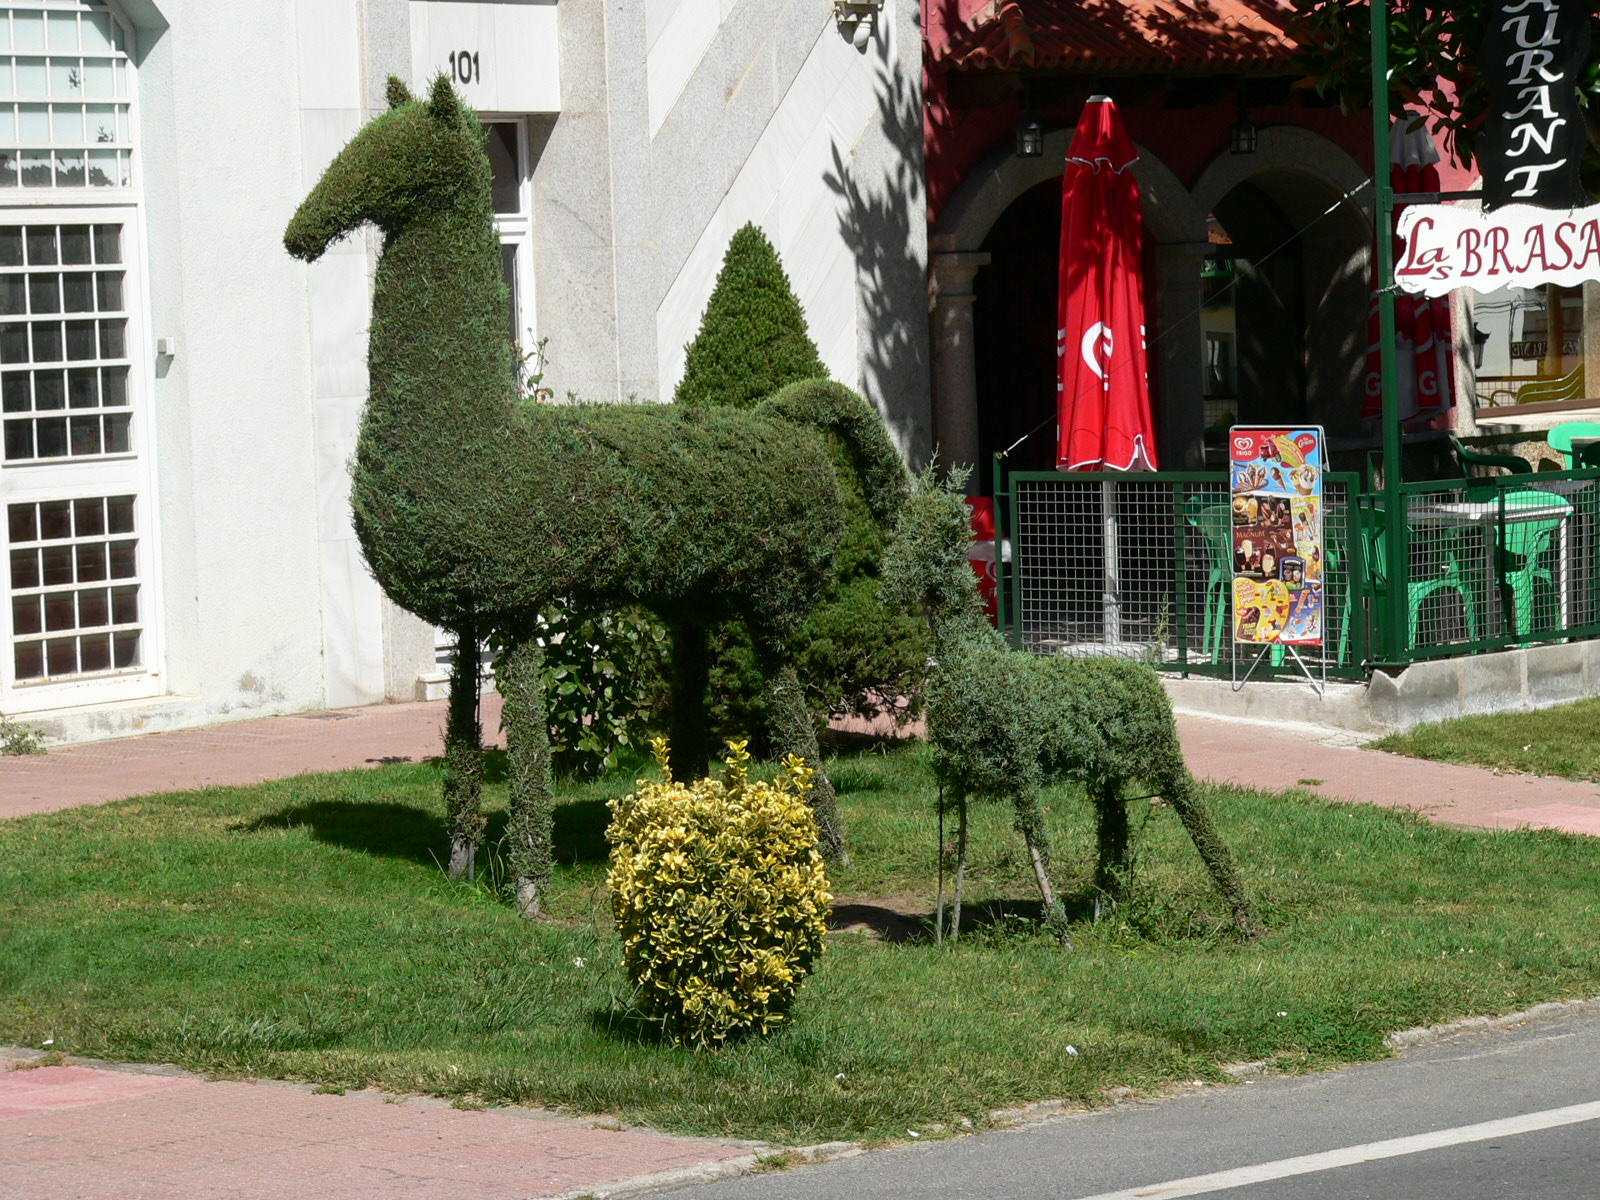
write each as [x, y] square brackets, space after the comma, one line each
[986, 918]
[402, 831]
[627, 1024]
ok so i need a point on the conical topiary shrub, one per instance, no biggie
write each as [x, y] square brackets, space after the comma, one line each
[753, 337]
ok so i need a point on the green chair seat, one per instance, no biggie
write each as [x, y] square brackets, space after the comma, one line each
[1560, 438]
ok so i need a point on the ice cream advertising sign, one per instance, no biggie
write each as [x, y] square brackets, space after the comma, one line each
[1275, 497]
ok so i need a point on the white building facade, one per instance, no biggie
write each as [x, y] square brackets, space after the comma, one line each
[181, 398]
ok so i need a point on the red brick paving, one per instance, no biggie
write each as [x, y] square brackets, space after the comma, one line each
[69, 1132]
[73, 1131]
[230, 755]
[1260, 756]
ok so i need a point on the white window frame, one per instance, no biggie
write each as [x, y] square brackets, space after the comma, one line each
[131, 473]
[516, 230]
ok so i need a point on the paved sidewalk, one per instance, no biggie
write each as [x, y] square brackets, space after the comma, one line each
[129, 1134]
[229, 755]
[1271, 757]
[141, 1134]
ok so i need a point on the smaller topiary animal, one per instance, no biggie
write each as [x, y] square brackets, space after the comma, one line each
[1003, 724]
[720, 897]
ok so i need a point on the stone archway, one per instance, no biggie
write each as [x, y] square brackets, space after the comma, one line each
[1178, 230]
[1304, 202]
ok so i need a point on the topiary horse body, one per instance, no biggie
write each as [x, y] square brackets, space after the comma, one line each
[1003, 724]
[476, 509]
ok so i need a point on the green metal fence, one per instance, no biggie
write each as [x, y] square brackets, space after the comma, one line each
[1140, 566]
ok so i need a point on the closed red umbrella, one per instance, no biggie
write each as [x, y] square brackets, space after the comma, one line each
[1424, 380]
[1103, 386]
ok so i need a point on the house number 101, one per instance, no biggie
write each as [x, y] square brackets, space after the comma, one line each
[464, 66]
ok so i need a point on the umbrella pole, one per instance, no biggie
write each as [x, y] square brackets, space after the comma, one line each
[1111, 580]
[1392, 623]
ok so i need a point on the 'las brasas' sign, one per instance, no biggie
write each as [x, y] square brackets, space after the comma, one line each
[1515, 246]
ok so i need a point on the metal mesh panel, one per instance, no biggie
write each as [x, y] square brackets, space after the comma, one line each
[1141, 567]
[1504, 559]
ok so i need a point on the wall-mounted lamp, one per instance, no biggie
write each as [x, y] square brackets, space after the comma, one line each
[1242, 134]
[1480, 339]
[856, 19]
[1030, 136]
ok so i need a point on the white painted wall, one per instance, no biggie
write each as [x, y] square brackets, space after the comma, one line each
[244, 400]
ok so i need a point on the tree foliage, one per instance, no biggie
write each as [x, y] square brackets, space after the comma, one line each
[752, 337]
[1433, 48]
[852, 656]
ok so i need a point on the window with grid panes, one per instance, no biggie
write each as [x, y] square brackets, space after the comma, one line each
[72, 473]
[64, 97]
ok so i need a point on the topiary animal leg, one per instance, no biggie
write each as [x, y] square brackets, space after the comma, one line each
[1030, 823]
[1111, 829]
[462, 779]
[1177, 787]
[688, 727]
[961, 865]
[793, 733]
[531, 818]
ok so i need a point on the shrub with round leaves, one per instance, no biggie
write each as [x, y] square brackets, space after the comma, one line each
[719, 896]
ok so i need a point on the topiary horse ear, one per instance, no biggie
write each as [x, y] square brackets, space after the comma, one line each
[443, 103]
[397, 92]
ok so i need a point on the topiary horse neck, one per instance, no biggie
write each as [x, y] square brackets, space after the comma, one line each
[441, 372]
[475, 509]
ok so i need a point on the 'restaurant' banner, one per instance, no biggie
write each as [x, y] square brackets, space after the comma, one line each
[1532, 55]
[1275, 484]
[1515, 246]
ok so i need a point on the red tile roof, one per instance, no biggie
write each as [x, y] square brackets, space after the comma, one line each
[1122, 35]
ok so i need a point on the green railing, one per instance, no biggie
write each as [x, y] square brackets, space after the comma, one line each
[1140, 565]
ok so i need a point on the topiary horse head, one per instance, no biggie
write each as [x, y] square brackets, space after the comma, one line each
[476, 510]
[1003, 724]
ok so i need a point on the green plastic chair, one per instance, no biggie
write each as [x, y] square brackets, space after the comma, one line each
[1541, 391]
[1457, 575]
[1522, 547]
[1215, 524]
[1560, 438]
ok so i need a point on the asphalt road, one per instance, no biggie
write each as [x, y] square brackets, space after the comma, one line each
[1497, 1115]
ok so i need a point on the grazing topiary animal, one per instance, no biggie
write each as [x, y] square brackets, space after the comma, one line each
[1003, 724]
[475, 509]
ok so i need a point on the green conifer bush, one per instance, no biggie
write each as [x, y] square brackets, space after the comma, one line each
[852, 655]
[753, 337]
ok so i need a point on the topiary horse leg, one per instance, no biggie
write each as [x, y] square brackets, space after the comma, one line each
[1177, 787]
[793, 733]
[688, 729]
[1030, 823]
[531, 818]
[1111, 830]
[463, 754]
[961, 865]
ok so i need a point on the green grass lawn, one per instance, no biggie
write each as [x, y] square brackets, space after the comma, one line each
[302, 929]
[1563, 741]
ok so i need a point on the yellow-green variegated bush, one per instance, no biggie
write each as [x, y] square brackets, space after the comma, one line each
[720, 897]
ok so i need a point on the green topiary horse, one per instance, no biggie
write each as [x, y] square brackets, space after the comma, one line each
[476, 509]
[1003, 723]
